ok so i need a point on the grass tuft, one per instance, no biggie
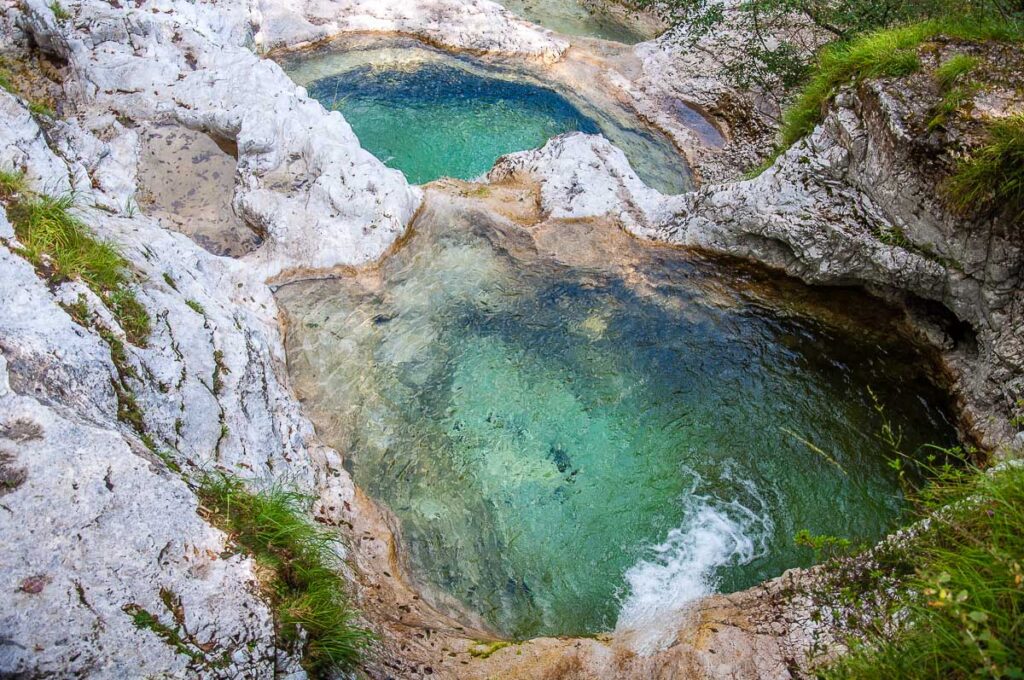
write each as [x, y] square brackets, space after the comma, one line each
[59, 12]
[304, 586]
[955, 68]
[12, 184]
[60, 246]
[961, 613]
[957, 90]
[992, 177]
[886, 53]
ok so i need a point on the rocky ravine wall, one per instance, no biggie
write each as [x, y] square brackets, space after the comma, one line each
[100, 528]
[855, 203]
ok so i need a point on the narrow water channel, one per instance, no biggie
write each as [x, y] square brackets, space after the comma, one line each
[577, 430]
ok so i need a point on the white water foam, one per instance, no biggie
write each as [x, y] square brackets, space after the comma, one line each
[682, 568]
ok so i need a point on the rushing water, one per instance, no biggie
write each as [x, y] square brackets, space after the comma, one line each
[433, 115]
[592, 18]
[578, 431]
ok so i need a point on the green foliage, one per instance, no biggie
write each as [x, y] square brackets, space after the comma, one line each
[12, 184]
[957, 90]
[954, 69]
[886, 53]
[60, 246]
[40, 109]
[59, 12]
[147, 621]
[825, 547]
[769, 54]
[961, 613]
[202, 655]
[196, 307]
[991, 178]
[304, 586]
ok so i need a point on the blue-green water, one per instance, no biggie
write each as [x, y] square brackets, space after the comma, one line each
[432, 115]
[579, 432]
[437, 121]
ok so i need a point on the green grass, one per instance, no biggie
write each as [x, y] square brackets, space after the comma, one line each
[12, 184]
[59, 12]
[885, 53]
[41, 109]
[955, 68]
[957, 90]
[196, 307]
[62, 248]
[991, 178]
[960, 614]
[147, 621]
[303, 583]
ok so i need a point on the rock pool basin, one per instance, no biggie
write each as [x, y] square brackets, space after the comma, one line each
[578, 431]
[433, 114]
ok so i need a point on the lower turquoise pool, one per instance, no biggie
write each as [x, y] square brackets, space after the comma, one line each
[578, 435]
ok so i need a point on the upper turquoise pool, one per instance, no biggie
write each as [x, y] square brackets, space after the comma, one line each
[579, 432]
[434, 115]
[438, 121]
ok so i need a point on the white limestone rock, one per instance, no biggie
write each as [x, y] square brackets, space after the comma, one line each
[478, 26]
[95, 526]
[303, 180]
[583, 176]
[100, 524]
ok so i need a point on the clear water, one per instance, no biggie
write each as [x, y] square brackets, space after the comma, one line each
[580, 17]
[432, 115]
[579, 432]
[436, 121]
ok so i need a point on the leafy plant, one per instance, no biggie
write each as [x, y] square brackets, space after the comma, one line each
[825, 547]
